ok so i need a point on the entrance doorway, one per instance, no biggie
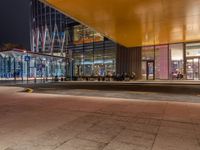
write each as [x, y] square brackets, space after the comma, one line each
[148, 71]
[193, 68]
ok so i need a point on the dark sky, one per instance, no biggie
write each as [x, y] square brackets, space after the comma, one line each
[14, 22]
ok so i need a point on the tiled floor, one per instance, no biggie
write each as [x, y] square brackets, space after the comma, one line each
[61, 122]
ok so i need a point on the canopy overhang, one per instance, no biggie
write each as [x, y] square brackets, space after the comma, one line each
[137, 22]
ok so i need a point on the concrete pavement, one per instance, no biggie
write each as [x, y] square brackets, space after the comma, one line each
[178, 92]
[60, 122]
[160, 87]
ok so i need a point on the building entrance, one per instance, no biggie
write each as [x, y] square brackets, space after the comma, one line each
[193, 68]
[148, 71]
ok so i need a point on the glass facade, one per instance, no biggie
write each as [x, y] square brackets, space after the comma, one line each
[163, 62]
[64, 47]
[148, 59]
[171, 62]
[16, 64]
[89, 54]
[193, 61]
[49, 29]
[83, 34]
[58, 35]
[176, 63]
[96, 59]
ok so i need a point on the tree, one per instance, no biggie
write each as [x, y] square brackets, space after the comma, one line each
[10, 46]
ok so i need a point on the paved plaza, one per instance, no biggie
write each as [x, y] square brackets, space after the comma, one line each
[37, 121]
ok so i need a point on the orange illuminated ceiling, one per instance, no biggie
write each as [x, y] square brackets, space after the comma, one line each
[137, 22]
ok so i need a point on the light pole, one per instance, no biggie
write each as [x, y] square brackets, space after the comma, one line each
[71, 69]
[70, 59]
[27, 59]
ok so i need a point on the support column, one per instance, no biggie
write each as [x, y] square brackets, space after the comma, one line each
[128, 60]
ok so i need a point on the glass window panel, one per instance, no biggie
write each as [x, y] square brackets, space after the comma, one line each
[148, 53]
[78, 63]
[176, 62]
[109, 61]
[78, 34]
[88, 62]
[192, 49]
[84, 34]
[144, 70]
[99, 62]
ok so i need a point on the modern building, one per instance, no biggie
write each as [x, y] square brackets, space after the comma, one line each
[93, 40]
[160, 38]
[60, 46]
[56, 34]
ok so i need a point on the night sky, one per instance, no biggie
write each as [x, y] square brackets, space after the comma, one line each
[14, 23]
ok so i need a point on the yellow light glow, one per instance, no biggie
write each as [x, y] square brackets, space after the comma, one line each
[137, 22]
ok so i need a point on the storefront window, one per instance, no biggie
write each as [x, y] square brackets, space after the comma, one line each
[176, 60]
[193, 50]
[99, 67]
[78, 62]
[88, 62]
[109, 61]
[193, 61]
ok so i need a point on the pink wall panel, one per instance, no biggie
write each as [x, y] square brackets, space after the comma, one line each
[164, 64]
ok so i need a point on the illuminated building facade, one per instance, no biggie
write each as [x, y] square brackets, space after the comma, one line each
[56, 34]
[63, 47]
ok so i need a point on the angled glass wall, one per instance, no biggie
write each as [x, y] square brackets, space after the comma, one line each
[56, 34]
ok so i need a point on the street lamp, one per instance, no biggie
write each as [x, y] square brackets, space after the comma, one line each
[70, 63]
[27, 59]
[71, 68]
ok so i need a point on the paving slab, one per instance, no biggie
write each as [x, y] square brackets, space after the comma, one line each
[36, 121]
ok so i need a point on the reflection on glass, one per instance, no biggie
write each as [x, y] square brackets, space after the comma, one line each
[193, 50]
[192, 69]
[189, 69]
[150, 70]
[193, 57]
[176, 62]
[196, 68]
[78, 62]
[148, 53]
[84, 34]
[147, 56]
[94, 62]
[14, 65]
[144, 70]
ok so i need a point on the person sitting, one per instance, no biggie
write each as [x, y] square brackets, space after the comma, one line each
[179, 76]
